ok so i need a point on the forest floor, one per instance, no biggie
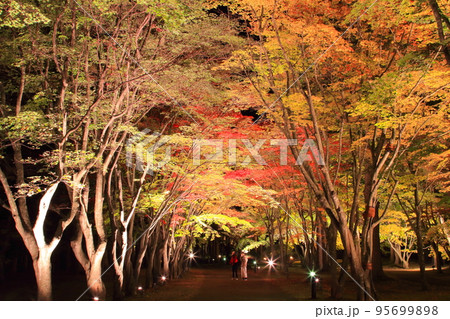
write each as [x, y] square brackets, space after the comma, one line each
[207, 283]
[213, 282]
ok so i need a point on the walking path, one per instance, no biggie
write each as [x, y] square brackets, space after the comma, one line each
[215, 283]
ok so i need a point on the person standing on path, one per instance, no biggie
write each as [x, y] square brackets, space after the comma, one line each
[234, 261]
[244, 260]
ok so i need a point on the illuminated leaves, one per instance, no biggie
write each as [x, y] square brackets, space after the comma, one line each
[14, 14]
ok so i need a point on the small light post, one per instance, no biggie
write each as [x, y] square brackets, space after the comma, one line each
[140, 290]
[256, 264]
[314, 282]
[191, 256]
[271, 264]
[96, 298]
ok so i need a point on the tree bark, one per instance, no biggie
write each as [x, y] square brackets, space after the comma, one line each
[438, 15]
[377, 261]
[43, 272]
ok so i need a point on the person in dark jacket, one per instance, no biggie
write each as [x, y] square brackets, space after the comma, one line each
[234, 261]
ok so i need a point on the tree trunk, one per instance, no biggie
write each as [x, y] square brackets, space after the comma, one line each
[143, 246]
[165, 257]
[421, 254]
[150, 259]
[437, 257]
[377, 263]
[440, 28]
[362, 276]
[94, 277]
[391, 254]
[43, 272]
[331, 239]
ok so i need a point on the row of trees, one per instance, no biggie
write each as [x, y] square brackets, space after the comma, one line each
[97, 96]
[79, 80]
[370, 83]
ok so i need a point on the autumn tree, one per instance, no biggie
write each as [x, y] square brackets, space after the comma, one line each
[307, 62]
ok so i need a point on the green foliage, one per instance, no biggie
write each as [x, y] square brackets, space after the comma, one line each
[213, 225]
[247, 244]
[395, 228]
[30, 126]
[19, 14]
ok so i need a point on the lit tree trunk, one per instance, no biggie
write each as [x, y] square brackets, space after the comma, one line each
[42, 264]
[43, 272]
[34, 239]
[94, 278]
[91, 261]
[401, 259]
[320, 242]
[444, 228]
[165, 257]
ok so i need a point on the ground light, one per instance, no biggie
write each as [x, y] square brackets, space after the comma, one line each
[96, 298]
[271, 265]
[163, 278]
[191, 257]
[140, 290]
[314, 282]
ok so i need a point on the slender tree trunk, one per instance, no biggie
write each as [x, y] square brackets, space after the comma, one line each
[150, 259]
[332, 237]
[320, 241]
[391, 254]
[377, 262]
[437, 257]
[421, 255]
[166, 257]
